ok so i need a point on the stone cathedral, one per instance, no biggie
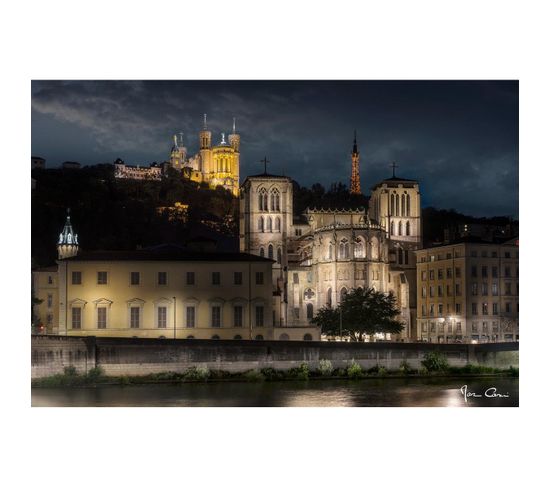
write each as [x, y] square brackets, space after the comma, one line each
[323, 253]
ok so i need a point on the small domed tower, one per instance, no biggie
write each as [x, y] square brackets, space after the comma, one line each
[205, 145]
[178, 154]
[67, 246]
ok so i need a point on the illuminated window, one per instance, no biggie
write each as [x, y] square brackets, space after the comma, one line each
[161, 317]
[259, 315]
[76, 277]
[102, 277]
[161, 278]
[76, 317]
[238, 278]
[216, 316]
[134, 278]
[190, 316]
[134, 317]
[237, 316]
[101, 317]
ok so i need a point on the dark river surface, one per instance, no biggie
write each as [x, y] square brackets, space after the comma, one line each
[388, 392]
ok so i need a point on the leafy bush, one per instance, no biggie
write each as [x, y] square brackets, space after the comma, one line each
[197, 373]
[95, 373]
[435, 361]
[124, 380]
[271, 374]
[254, 375]
[405, 368]
[325, 367]
[354, 370]
[69, 371]
[382, 371]
[512, 371]
[300, 373]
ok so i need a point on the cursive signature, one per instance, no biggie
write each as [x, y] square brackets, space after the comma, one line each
[489, 393]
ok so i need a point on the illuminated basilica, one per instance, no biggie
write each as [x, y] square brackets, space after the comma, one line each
[216, 165]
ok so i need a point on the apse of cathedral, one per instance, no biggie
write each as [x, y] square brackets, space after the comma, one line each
[216, 165]
[323, 253]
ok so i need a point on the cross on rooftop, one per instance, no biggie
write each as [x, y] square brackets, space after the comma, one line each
[393, 166]
[265, 161]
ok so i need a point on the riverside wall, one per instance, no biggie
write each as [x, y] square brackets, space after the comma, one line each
[127, 356]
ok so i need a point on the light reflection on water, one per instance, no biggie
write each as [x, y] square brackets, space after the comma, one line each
[414, 392]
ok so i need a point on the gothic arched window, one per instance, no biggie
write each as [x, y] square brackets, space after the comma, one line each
[396, 204]
[262, 200]
[330, 251]
[279, 255]
[359, 250]
[261, 224]
[269, 225]
[343, 293]
[403, 205]
[262, 253]
[277, 224]
[270, 252]
[399, 229]
[275, 200]
[329, 297]
[309, 311]
[408, 205]
[374, 248]
[408, 229]
[392, 230]
[392, 204]
[343, 251]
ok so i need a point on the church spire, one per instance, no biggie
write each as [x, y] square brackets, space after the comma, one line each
[355, 184]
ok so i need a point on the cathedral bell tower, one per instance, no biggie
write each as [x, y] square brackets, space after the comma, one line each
[67, 246]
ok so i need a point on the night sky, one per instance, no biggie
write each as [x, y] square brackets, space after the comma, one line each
[459, 139]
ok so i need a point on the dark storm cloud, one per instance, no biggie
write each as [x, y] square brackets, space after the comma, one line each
[460, 139]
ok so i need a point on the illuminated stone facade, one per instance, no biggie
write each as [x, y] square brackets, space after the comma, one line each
[216, 165]
[124, 171]
[324, 253]
[468, 292]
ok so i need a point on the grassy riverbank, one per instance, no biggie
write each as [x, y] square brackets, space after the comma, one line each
[325, 370]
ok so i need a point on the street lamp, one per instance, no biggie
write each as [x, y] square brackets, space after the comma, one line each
[174, 317]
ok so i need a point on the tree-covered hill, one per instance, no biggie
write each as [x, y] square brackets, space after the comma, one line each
[109, 213]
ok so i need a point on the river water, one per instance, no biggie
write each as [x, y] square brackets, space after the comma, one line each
[383, 392]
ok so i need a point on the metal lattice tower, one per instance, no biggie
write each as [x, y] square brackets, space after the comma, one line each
[355, 183]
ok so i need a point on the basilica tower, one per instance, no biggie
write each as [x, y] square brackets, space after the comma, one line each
[205, 148]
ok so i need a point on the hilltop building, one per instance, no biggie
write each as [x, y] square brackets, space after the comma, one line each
[216, 165]
[122, 170]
